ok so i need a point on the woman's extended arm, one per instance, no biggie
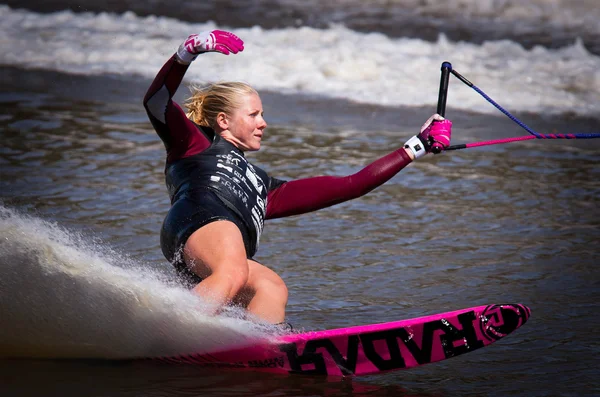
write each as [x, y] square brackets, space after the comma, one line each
[311, 194]
[178, 133]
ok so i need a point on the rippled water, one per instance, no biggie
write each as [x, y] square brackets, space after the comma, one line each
[506, 223]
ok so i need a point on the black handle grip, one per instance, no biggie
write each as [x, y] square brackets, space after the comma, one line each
[443, 95]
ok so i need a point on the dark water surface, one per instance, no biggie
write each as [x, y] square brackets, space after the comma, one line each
[507, 223]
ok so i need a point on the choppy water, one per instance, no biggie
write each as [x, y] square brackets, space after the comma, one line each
[83, 197]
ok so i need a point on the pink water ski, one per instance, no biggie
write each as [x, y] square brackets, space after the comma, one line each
[375, 348]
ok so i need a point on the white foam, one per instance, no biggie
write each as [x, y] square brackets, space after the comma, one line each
[64, 296]
[335, 62]
[582, 15]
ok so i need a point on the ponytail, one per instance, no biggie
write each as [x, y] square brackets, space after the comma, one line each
[205, 103]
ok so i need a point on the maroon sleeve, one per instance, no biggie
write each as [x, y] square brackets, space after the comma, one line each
[179, 134]
[311, 194]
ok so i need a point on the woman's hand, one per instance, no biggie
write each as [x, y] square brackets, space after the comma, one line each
[434, 137]
[438, 131]
[210, 41]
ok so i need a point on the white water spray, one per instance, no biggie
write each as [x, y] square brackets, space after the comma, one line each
[62, 296]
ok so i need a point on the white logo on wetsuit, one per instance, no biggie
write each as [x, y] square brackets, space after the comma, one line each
[229, 159]
[254, 178]
[258, 216]
[219, 165]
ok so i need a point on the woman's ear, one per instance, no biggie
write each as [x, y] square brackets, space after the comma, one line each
[222, 121]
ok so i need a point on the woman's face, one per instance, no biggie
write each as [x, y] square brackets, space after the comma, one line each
[246, 124]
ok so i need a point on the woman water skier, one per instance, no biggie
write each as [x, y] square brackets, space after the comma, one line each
[219, 200]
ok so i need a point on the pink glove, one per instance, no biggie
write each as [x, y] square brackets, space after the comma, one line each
[434, 137]
[211, 41]
[438, 132]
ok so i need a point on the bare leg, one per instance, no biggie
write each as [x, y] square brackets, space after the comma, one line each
[216, 253]
[265, 294]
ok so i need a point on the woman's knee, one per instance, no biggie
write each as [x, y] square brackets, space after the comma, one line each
[274, 287]
[236, 273]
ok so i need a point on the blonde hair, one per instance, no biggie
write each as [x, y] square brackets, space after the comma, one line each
[206, 103]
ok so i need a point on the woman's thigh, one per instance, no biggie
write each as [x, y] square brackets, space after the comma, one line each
[217, 247]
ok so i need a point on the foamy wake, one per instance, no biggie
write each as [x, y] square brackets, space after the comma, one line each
[64, 296]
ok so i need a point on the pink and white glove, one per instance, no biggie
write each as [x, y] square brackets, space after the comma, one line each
[434, 137]
[210, 41]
